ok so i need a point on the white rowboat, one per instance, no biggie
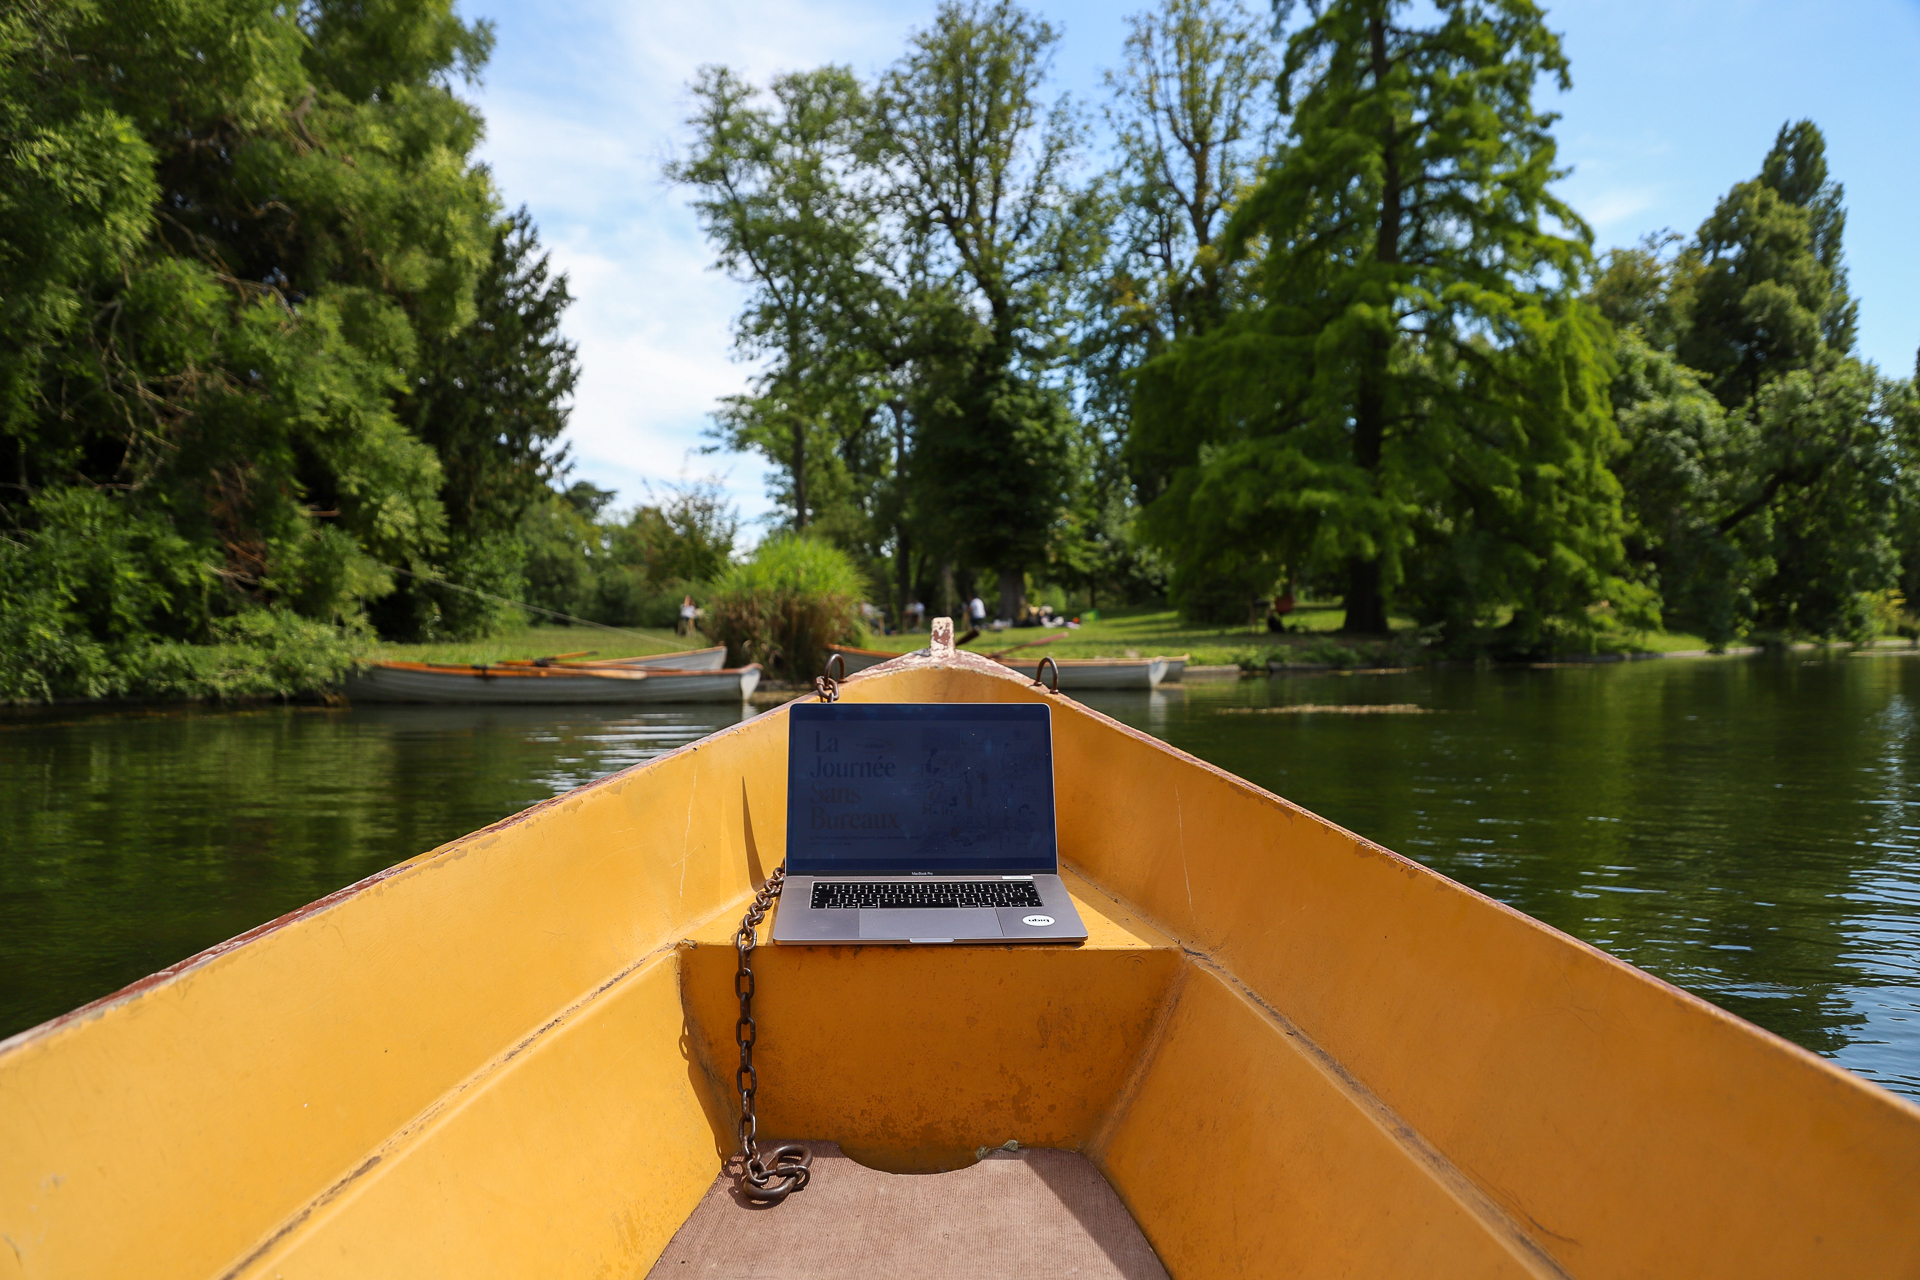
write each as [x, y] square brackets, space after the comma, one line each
[1097, 673]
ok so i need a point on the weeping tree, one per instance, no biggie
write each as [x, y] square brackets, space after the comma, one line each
[1418, 403]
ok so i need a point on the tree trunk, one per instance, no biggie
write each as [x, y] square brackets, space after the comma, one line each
[1366, 603]
[902, 541]
[947, 596]
[799, 472]
[1013, 594]
[903, 549]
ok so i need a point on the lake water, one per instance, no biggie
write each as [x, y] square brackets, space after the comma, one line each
[1746, 829]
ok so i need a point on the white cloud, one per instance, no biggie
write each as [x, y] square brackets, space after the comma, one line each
[583, 108]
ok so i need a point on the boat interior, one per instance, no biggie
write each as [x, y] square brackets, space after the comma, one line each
[1282, 1051]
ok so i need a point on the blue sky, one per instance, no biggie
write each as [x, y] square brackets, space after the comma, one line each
[1673, 102]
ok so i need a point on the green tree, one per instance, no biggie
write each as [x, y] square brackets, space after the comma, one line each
[1820, 497]
[1419, 372]
[1678, 473]
[1796, 167]
[1777, 509]
[1633, 289]
[1193, 111]
[491, 400]
[777, 191]
[982, 174]
[1193, 114]
[229, 225]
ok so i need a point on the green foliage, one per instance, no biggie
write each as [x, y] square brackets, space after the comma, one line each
[490, 399]
[228, 229]
[911, 249]
[630, 571]
[1768, 472]
[662, 554]
[94, 600]
[778, 197]
[1826, 486]
[986, 169]
[1680, 446]
[1418, 394]
[1757, 292]
[785, 605]
[1193, 112]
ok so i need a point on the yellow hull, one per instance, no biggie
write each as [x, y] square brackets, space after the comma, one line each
[1289, 1050]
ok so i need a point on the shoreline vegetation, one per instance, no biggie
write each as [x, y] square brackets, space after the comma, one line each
[285, 380]
[1318, 646]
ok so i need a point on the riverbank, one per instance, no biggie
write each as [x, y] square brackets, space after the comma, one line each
[305, 666]
[1312, 639]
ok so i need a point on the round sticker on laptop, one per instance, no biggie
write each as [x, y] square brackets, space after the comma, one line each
[1038, 922]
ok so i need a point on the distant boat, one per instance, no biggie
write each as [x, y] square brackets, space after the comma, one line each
[434, 682]
[860, 659]
[685, 660]
[1176, 667]
[1099, 673]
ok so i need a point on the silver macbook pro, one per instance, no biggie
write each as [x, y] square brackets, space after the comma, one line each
[922, 822]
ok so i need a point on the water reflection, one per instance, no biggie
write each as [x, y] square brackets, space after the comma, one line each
[1747, 830]
[130, 841]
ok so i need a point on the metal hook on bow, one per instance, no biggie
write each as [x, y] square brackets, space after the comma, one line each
[1041, 670]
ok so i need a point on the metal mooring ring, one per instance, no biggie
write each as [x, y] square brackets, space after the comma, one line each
[1041, 670]
[842, 660]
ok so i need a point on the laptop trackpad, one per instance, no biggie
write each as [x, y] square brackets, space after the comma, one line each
[934, 922]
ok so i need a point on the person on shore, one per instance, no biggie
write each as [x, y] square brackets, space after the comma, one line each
[688, 612]
[916, 615]
[977, 611]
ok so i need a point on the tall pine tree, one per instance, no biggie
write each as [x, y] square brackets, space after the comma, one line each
[1420, 372]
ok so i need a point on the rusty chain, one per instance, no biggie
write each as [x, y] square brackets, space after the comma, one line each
[783, 1171]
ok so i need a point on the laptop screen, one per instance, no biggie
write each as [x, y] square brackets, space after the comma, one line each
[955, 788]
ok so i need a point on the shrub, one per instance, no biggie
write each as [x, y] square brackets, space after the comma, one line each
[783, 607]
[263, 653]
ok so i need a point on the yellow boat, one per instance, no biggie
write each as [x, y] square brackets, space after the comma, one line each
[1289, 1052]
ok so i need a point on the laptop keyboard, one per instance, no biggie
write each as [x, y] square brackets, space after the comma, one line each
[925, 893]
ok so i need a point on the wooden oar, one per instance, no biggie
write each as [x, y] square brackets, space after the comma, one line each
[543, 662]
[1028, 645]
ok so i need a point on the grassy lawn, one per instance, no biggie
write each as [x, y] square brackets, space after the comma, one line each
[1667, 641]
[542, 642]
[1145, 633]
[1119, 633]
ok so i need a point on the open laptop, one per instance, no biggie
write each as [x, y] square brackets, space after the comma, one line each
[922, 822]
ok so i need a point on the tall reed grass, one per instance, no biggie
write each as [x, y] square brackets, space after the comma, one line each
[783, 607]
